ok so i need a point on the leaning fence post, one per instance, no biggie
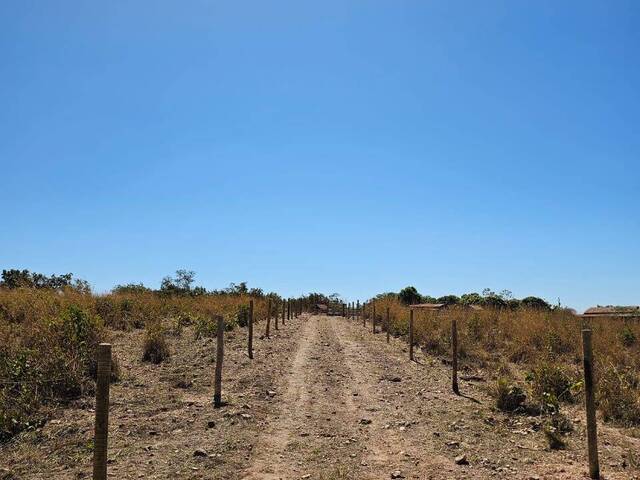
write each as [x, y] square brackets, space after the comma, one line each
[102, 412]
[217, 396]
[268, 318]
[411, 334]
[589, 403]
[454, 355]
[250, 325]
[388, 324]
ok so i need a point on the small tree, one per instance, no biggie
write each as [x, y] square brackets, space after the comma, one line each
[180, 285]
[409, 295]
[535, 303]
[449, 300]
[471, 299]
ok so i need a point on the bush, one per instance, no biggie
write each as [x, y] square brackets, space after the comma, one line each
[618, 395]
[549, 382]
[242, 317]
[627, 337]
[42, 361]
[156, 348]
[509, 397]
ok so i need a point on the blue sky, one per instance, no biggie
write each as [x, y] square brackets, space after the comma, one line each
[335, 146]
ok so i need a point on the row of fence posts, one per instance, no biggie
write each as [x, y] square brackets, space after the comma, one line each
[290, 309]
[589, 383]
[104, 374]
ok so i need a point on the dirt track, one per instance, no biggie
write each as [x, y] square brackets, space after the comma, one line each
[323, 399]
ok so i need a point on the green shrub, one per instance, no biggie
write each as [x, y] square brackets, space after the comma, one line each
[627, 337]
[509, 397]
[242, 317]
[207, 326]
[549, 381]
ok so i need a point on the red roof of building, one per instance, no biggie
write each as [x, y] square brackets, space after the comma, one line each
[611, 311]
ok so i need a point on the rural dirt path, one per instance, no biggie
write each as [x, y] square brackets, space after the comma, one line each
[354, 407]
[323, 399]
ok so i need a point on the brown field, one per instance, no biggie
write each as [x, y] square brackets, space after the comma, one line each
[323, 398]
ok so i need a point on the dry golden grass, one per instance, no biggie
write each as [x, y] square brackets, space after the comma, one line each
[48, 340]
[544, 344]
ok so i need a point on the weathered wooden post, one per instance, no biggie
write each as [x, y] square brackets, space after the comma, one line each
[374, 318]
[250, 325]
[590, 405]
[284, 311]
[344, 306]
[217, 395]
[288, 309]
[268, 318]
[364, 314]
[411, 334]
[388, 325]
[454, 354]
[357, 308]
[101, 438]
[276, 315]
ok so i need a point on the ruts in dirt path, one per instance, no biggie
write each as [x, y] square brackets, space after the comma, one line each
[344, 414]
[323, 399]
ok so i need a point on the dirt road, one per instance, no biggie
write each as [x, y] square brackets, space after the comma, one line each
[324, 398]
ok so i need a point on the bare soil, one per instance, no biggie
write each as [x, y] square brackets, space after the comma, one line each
[323, 398]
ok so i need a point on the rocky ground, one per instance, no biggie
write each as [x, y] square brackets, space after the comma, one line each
[323, 398]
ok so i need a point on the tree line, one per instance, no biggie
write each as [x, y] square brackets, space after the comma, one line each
[488, 298]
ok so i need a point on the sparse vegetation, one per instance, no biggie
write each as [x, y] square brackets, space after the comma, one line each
[541, 341]
[50, 327]
[509, 397]
[156, 348]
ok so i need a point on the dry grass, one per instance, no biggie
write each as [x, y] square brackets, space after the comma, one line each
[48, 340]
[544, 344]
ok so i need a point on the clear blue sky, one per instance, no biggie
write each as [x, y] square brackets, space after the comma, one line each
[336, 146]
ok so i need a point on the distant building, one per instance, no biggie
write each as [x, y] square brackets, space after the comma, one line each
[632, 311]
[438, 307]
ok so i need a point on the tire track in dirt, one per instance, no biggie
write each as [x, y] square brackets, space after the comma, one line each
[381, 378]
[270, 461]
[316, 431]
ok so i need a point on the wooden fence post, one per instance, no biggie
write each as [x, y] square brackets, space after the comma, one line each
[276, 315]
[217, 395]
[454, 355]
[411, 334]
[250, 325]
[364, 316]
[388, 325]
[589, 403]
[284, 311]
[374, 318]
[344, 306]
[268, 318]
[357, 309]
[288, 309]
[102, 413]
